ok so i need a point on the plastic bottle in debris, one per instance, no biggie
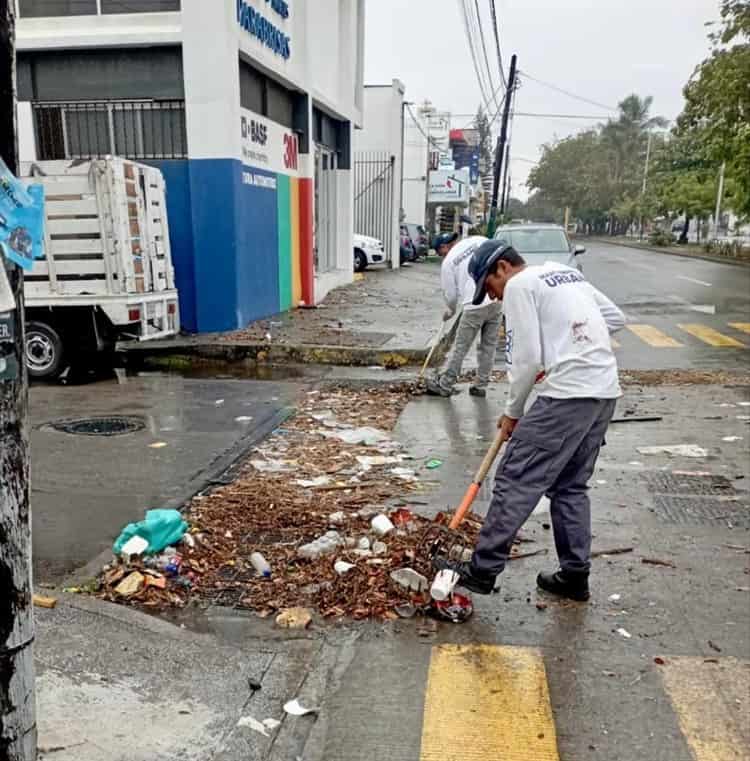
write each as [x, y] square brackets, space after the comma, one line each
[260, 564]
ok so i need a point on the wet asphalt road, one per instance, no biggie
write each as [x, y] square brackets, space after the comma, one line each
[690, 308]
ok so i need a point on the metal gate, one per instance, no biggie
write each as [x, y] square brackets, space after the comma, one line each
[325, 209]
[374, 197]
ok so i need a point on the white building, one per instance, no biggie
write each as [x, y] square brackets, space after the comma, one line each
[378, 166]
[247, 106]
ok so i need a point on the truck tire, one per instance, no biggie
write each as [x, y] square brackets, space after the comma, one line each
[360, 260]
[44, 350]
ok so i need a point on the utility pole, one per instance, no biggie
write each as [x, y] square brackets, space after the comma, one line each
[643, 187]
[505, 194]
[719, 194]
[17, 705]
[501, 148]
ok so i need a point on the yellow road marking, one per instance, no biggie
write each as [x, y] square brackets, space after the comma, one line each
[487, 703]
[710, 700]
[710, 336]
[743, 326]
[654, 337]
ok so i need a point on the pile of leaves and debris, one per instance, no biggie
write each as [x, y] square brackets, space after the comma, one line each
[305, 500]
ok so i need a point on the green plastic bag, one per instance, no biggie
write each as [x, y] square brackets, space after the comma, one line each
[160, 528]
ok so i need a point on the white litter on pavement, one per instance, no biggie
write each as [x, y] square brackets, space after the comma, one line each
[322, 415]
[368, 462]
[219, 402]
[243, 419]
[732, 438]
[744, 404]
[743, 417]
[271, 723]
[405, 474]
[624, 633]
[136, 545]
[615, 598]
[600, 481]
[680, 450]
[272, 466]
[293, 708]
[157, 445]
[312, 482]
[254, 724]
[365, 435]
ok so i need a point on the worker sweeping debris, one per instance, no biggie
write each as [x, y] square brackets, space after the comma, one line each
[482, 319]
[557, 322]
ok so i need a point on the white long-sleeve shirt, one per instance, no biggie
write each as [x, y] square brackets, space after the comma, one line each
[458, 285]
[558, 322]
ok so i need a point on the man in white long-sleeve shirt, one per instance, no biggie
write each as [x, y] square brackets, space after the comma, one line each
[559, 324]
[481, 319]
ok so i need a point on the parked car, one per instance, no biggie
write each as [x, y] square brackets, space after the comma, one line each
[539, 243]
[407, 251]
[419, 238]
[367, 251]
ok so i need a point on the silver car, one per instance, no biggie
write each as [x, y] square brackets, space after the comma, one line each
[538, 243]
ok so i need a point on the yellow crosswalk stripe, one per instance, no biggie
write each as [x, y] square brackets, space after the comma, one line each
[710, 700]
[486, 702]
[710, 336]
[743, 326]
[654, 337]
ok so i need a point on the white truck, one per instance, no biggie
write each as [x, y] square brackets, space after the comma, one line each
[107, 272]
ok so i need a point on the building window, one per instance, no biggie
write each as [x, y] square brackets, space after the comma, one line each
[131, 129]
[266, 97]
[139, 6]
[42, 8]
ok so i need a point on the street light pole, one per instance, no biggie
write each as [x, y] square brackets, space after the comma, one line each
[643, 187]
[719, 194]
[17, 706]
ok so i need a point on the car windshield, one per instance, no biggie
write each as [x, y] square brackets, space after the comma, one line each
[536, 240]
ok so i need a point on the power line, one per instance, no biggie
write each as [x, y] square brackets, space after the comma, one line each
[558, 116]
[568, 93]
[497, 42]
[484, 50]
[474, 56]
[430, 140]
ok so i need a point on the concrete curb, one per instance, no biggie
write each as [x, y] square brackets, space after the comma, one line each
[183, 353]
[669, 252]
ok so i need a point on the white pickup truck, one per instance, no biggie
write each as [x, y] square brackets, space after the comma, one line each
[107, 272]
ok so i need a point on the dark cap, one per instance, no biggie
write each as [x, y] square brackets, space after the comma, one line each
[483, 262]
[444, 239]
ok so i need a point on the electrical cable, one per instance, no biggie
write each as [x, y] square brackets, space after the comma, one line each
[568, 93]
[484, 51]
[430, 140]
[472, 50]
[497, 43]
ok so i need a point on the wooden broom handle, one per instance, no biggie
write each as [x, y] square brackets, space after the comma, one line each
[489, 458]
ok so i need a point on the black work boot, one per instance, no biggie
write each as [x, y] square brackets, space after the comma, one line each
[435, 389]
[574, 586]
[469, 577]
[478, 391]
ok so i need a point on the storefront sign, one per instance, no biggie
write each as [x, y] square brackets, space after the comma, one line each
[256, 24]
[268, 145]
[449, 187]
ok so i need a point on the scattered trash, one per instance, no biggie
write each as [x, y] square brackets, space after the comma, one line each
[365, 435]
[326, 544]
[731, 438]
[272, 466]
[659, 661]
[743, 417]
[443, 584]
[457, 609]
[253, 684]
[433, 464]
[363, 543]
[613, 551]
[407, 610]
[600, 481]
[624, 633]
[293, 708]
[313, 482]
[130, 585]
[219, 402]
[341, 567]
[44, 602]
[271, 723]
[260, 564]
[337, 518]
[401, 517]
[656, 561]
[615, 598]
[189, 541]
[637, 419]
[714, 646]
[406, 474]
[254, 724]
[744, 404]
[410, 579]
[379, 548]
[158, 445]
[160, 528]
[243, 419]
[155, 580]
[381, 525]
[679, 450]
[367, 461]
[323, 415]
[294, 618]
[541, 605]
[135, 546]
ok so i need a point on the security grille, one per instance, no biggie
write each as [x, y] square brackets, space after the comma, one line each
[373, 197]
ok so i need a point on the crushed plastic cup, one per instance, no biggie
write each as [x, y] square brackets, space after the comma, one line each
[443, 585]
[341, 567]
[381, 525]
[260, 564]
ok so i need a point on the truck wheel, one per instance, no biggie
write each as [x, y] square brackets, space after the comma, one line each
[360, 260]
[44, 350]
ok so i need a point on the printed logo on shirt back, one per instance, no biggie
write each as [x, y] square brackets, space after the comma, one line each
[509, 347]
[553, 279]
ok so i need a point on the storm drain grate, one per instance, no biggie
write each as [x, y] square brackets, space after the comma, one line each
[686, 484]
[100, 426]
[697, 500]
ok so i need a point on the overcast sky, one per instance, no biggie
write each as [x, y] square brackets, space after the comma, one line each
[599, 49]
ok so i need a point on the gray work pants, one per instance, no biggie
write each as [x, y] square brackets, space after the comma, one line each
[552, 451]
[484, 321]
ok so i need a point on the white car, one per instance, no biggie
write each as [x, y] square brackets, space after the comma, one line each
[367, 251]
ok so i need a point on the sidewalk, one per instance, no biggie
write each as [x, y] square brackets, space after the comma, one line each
[387, 318]
[688, 252]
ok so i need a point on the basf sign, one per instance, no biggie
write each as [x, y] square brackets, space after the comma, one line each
[267, 145]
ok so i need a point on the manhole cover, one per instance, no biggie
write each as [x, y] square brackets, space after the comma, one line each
[100, 426]
[684, 484]
[701, 511]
